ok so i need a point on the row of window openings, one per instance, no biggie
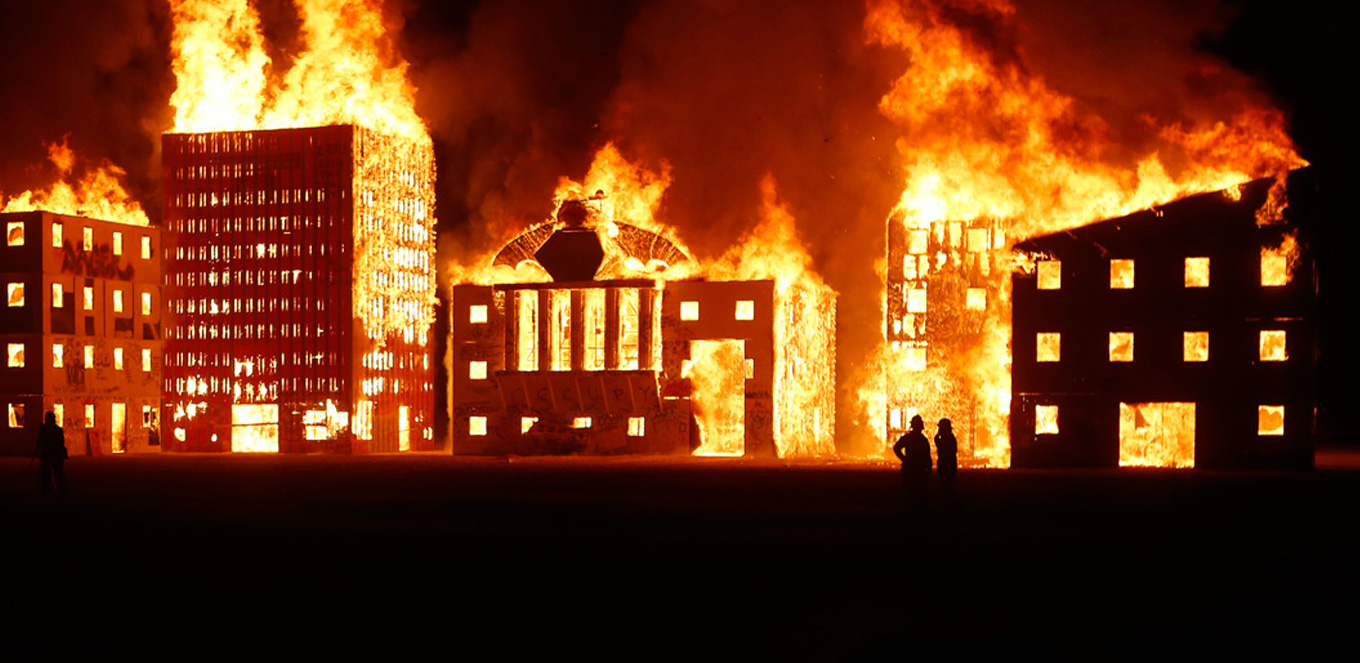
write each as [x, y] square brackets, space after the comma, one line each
[1048, 346]
[1269, 420]
[637, 426]
[477, 370]
[1274, 272]
[14, 236]
[17, 413]
[689, 310]
[226, 306]
[15, 296]
[16, 354]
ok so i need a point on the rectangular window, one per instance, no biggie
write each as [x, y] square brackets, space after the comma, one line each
[1196, 346]
[1156, 434]
[117, 301]
[917, 241]
[1048, 346]
[1121, 346]
[146, 303]
[1274, 267]
[750, 368]
[1121, 274]
[689, 310]
[477, 426]
[477, 314]
[117, 359]
[89, 356]
[1045, 420]
[14, 233]
[916, 300]
[1273, 346]
[637, 426]
[87, 237]
[58, 355]
[59, 413]
[146, 360]
[592, 329]
[16, 415]
[89, 415]
[559, 336]
[580, 422]
[895, 418]
[15, 351]
[476, 370]
[89, 298]
[915, 359]
[1050, 275]
[146, 248]
[56, 235]
[1196, 272]
[526, 424]
[746, 309]
[976, 299]
[58, 293]
[1270, 420]
[15, 293]
[117, 243]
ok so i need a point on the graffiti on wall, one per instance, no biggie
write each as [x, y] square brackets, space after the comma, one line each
[100, 262]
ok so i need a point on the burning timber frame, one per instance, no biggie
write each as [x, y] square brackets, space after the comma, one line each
[300, 290]
[1178, 336]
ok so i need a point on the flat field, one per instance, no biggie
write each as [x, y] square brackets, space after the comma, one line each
[430, 557]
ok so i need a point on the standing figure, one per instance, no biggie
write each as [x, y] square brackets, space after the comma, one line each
[946, 454]
[52, 456]
[913, 449]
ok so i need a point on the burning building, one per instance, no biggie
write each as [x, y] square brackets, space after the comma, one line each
[615, 354]
[1178, 336]
[81, 331]
[300, 290]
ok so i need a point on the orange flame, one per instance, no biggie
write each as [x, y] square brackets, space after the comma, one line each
[99, 194]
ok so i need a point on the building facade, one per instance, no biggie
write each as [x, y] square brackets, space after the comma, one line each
[82, 333]
[1181, 336]
[300, 291]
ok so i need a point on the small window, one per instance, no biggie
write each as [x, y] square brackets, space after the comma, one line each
[916, 300]
[59, 413]
[16, 294]
[1274, 268]
[117, 243]
[977, 240]
[527, 423]
[56, 235]
[477, 370]
[14, 233]
[976, 299]
[895, 418]
[146, 360]
[148, 417]
[89, 356]
[89, 298]
[477, 313]
[146, 303]
[1045, 420]
[117, 359]
[1121, 274]
[580, 422]
[1050, 275]
[750, 366]
[87, 237]
[746, 309]
[146, 248]
[58, 355]
[15, 352]
[637, 426]
[58, 293]
[1049, 346]
[917, 241]
[689, 310]
[1273, 346]
[16, 415]
[89, 415]
[916, 359]
[1196, 272]
[1196, 346]
[1121, 346]
[117, 301]
[477, 426]
[1270, 420]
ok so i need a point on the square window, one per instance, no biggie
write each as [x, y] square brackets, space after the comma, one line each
[477, 426]
[637, 426]
[89, 356]
[689, 310]
[746, 309]
[1121, 274]
[146, 248]
[117, 359]
[1121, 346]
[580, 422]
[527, 423]
[56, 234]
[917, 241]
[146, 303]
[146, 360]
[1274, 268]
[117, 243]
[977, 240]
[1270, 420]
[477, 370]
[916, 300]
[117, 301]
[58, 293]
[14, 233]
[1196, 346]
[1196, 272]
[16, 294]
[976, 299]
[16, 415]
[89, 298]
[915, 359]
[87, 238]
[477, 313]
[89, 415]
[1273, 346]
[1050, 275]
[15, 351]
[1045, 420]
[1048, 346]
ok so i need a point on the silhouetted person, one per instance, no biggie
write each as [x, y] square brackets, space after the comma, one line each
[913, 449]
[946, 454]
[52, 456]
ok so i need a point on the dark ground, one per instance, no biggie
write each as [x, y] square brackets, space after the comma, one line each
[401, 558]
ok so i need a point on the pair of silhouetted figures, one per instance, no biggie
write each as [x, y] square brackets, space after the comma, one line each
[914, 451]
[51, 454]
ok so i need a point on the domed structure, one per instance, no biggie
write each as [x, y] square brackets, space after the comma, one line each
[580, 246]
